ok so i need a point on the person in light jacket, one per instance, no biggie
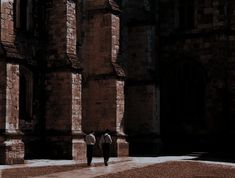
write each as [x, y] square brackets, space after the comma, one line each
[105, 142]
[90, 142]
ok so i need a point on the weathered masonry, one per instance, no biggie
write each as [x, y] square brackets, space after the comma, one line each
[59, 77]
[159, 74]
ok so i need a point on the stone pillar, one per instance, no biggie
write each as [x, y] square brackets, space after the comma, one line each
[103, 90]
[142, 90]
[64, 136]
[11, 145]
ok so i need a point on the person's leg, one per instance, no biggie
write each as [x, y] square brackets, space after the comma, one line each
[106, 153]
[89, 154]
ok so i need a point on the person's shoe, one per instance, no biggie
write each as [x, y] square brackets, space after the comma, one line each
[106, 164]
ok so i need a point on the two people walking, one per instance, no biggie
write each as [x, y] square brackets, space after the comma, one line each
[104, 144]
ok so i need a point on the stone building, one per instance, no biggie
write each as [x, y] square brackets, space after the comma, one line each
[71, 66]
[196, 59]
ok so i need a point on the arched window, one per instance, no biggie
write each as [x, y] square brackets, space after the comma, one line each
[23, 13]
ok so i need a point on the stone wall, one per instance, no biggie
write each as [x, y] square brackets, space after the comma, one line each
[12, 98]
[102, 102]
[2, 94]
[207, 44]
[103, 85]
[98, 34]
[188, 55]
[142, 119]
[11, 146]
[62, 35]
[63, 83]
[58, 114]
[57, 33]
[76, 102]
[7, 24]
[58, 108]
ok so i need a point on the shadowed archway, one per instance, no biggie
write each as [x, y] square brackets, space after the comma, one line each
[183, 106]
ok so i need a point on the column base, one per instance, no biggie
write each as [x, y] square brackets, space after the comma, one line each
[78, 147]
[12, 152]
[65, 146]
[120, 146]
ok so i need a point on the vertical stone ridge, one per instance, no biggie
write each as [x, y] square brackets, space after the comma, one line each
[63, 115]
[11, 145]
[104, 92]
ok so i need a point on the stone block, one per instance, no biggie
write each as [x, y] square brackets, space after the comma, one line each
[79, 149]
[122, 148]
[12, 152]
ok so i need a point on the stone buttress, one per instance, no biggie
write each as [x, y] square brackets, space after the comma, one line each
[103, 87]
[64, 137]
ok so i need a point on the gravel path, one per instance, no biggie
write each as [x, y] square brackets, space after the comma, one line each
[177, 169]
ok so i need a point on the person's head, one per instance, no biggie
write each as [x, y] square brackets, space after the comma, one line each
[107, 131]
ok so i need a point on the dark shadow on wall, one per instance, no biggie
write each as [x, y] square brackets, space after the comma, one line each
[183, 105]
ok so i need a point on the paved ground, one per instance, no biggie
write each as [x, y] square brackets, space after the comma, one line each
[177, 169]
[137, 167]
[114, 167]
[152, 167]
